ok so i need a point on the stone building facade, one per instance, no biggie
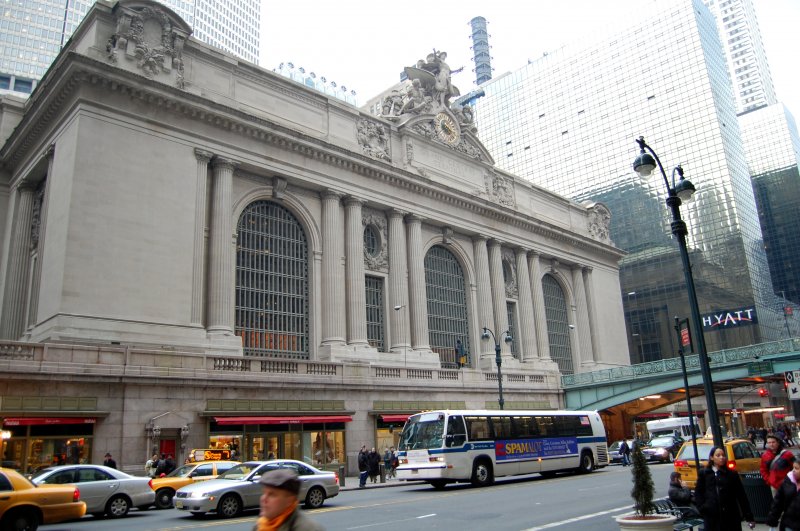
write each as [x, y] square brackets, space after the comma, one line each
[199, 253]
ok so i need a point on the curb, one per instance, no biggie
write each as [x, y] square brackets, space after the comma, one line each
[352, 484]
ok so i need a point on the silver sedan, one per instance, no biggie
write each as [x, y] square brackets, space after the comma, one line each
[105, 490]
[238, 488]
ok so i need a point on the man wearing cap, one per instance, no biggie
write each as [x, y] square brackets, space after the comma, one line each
[109, 462]
[279, 504]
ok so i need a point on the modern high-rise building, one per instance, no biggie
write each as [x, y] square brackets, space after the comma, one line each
[568, 122]
[744, 52]
[480, 50]
[32, 33]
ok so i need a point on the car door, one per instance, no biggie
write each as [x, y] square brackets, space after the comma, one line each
[306, 476]
[202, 472]
[6, 493]
[96, 487]
[251, 490]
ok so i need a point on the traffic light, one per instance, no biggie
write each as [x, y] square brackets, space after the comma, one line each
[762, 392]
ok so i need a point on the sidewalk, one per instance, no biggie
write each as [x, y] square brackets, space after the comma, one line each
[351, 483]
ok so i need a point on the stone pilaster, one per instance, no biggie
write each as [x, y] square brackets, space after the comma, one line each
[418, 302]
[499, 297]
[398, 282]
[539, 314]
[527, 331]
[221, 259]
[484, 294]
[581, 316]
[354, 280]
[13, 323]
[198, 262]
[333, 317]
[591, 310]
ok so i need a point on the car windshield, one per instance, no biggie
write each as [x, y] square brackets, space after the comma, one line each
[181, 472]
[40, 473]
[703, 449]
[239, 471]
[662, 441]
[422, 431]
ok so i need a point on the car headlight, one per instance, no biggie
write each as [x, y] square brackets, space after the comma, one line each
[662, 451]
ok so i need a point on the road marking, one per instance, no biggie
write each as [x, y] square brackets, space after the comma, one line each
[427, 515]
[377, 524]
[578, 518]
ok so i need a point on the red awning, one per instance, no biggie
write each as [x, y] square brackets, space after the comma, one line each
[42, 421]
[284, 420]
[395, 418]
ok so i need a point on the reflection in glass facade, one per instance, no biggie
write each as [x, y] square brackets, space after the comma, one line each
[773, 151]
[568, 122]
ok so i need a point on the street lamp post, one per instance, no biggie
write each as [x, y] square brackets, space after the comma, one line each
[644, 165]
[688, 394]
[507, 338]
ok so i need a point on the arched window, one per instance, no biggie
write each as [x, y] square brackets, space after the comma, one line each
[555, 308]
[447, 305]
[271, 283]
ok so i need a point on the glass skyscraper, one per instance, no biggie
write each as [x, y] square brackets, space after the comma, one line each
[568, 122]
[33, 32]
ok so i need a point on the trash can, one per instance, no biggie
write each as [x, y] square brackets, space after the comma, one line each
[341, 475]
[759, 495]
[382, 472]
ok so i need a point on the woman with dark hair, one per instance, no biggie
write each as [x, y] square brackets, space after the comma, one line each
[720, 496]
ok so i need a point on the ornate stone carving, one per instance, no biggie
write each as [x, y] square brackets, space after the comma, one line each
[499, 188]
[510, 274]
[279, 187]
[146, 33]
[36, 215]
[380, 260]
[447, 235]
[599, 221]
[374, 139]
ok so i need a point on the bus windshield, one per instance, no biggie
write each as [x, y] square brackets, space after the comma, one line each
[422, 431]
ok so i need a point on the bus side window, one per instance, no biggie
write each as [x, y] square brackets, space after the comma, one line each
[478, 428]
[456, 433]
[524, 427]
[502, 427]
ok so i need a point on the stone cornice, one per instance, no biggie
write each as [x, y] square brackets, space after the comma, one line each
[80, 69]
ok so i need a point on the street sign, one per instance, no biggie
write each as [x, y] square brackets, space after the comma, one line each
[759, 368]
[793, 387]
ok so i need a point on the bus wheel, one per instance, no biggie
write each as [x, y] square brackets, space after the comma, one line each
[438, 484]
[587, 463]
[482, 473]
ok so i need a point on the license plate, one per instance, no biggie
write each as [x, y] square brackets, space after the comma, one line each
[178, 504]
[415, 471]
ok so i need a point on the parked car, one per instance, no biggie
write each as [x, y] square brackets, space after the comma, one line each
[238, 489]
[613, 451]
[742, 457]
[166, 486]
[24, 505]
[106, 491]
[663, 448]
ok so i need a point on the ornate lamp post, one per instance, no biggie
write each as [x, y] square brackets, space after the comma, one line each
[507, 338]
[683, 190]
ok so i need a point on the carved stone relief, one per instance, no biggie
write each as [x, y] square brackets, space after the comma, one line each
[36, 216]
[374, 139]
[510, 274]
[599, 221]
[378, 261]
[499, 188]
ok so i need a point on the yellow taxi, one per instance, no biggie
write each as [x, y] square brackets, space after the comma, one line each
[743, 457]
[166, 486]
[24, 505]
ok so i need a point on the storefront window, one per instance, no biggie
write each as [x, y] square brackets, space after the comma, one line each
[47, 452]
[327, 448]
[33, 447]
[14, 453]
[227, 442]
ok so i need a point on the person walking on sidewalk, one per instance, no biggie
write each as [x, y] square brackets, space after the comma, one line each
[720, 496]
[775, 463]
[625, 452]
[373, 465]
[786, 505]
[363, 467]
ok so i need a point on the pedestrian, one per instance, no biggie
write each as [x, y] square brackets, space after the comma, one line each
[763, 434]
[169, 465]
[374, 464]
[681, 495]
[625, 452]
[109, 461]
[751, 434]
[150, 466]
[395, 462]
[387, 462]
[279, 504]
[786, 505]
[720, 496]
[161, 466]
[775, 463]
[363, 467]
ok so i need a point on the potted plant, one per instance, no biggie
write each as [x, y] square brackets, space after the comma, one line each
[644, 515]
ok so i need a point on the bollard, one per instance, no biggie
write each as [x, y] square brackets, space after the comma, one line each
[382, 472]
[341, 475]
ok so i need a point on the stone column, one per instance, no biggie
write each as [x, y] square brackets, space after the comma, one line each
[418, 299]
[483, 286]
[354, 280]
[221, 259]
[592, 312]
[539, 314]
[498, 296]
[13, 323]
[332, 289]
[527, 331]
[581, 316]
[398, 281]
[199, 257]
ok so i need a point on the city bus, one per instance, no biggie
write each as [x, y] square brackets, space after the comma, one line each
[680, 426]
[477, 446]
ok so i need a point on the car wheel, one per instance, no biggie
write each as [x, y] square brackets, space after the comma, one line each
[229, 506]
[21, 520]
[315, 498]
[118, 506]
[482, 474]
[164, 498]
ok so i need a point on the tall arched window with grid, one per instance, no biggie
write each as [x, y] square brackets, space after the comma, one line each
[447, 305]
[271, 283]
[555, 308]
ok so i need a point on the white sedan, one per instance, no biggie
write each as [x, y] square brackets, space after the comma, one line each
[105, 490]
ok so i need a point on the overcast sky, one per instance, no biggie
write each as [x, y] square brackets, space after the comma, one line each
[364, 44]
